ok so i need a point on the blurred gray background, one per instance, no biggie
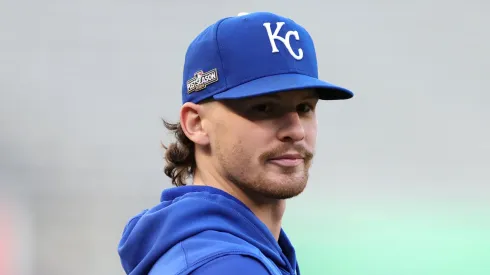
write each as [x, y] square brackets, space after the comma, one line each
[84, 84]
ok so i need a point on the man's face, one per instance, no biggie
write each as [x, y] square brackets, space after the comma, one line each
[265, 144]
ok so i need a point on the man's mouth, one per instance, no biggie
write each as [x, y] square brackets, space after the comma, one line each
[288, 160]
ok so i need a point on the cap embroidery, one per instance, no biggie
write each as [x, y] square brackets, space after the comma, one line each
[285, 40]
[201, 80]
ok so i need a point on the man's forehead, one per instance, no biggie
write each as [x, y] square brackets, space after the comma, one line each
[288, 96]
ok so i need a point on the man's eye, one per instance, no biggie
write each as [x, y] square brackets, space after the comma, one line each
[304, 108]
[263, 108]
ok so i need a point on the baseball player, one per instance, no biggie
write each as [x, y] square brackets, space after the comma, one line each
[244, 145]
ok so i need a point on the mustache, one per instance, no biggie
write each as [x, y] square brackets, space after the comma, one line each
[283, 149]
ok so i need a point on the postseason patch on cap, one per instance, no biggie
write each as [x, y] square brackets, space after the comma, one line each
[201, 80]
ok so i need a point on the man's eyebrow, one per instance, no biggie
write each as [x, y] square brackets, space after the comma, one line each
[311, 96]
[308, 96]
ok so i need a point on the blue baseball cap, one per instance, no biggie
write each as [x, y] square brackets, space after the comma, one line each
[253, 54]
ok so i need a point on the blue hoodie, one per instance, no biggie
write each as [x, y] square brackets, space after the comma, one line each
[202, 230]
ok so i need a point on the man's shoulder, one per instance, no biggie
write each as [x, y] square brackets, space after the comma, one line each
[232, 264]
[209, 249]
[218, 241]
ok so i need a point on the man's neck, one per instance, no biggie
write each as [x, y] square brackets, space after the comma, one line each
[269, 211]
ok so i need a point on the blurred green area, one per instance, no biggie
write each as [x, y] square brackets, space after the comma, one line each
[400, 240]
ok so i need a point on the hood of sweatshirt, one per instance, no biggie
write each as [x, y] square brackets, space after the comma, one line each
[186, 211]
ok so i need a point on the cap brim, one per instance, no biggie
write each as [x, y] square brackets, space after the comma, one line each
[285, 82]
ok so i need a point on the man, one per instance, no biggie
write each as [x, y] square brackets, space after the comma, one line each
[246, 137]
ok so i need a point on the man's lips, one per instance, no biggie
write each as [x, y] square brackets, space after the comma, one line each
[288, 160]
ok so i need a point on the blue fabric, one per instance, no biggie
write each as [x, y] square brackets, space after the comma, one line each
[233, 264]
[251, 55]
[193, 229]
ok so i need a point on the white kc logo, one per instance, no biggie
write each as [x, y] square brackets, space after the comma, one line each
[285, 40]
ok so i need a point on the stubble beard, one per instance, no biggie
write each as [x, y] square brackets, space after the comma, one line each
[276, 183]
[280, 184]
[281, 188]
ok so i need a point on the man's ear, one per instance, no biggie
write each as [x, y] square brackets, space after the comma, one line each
[191, 123]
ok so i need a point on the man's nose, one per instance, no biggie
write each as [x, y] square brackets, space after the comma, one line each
[291, 127]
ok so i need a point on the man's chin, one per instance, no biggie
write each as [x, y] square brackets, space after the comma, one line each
[277, 186]
[283, 190]
[281, 195]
